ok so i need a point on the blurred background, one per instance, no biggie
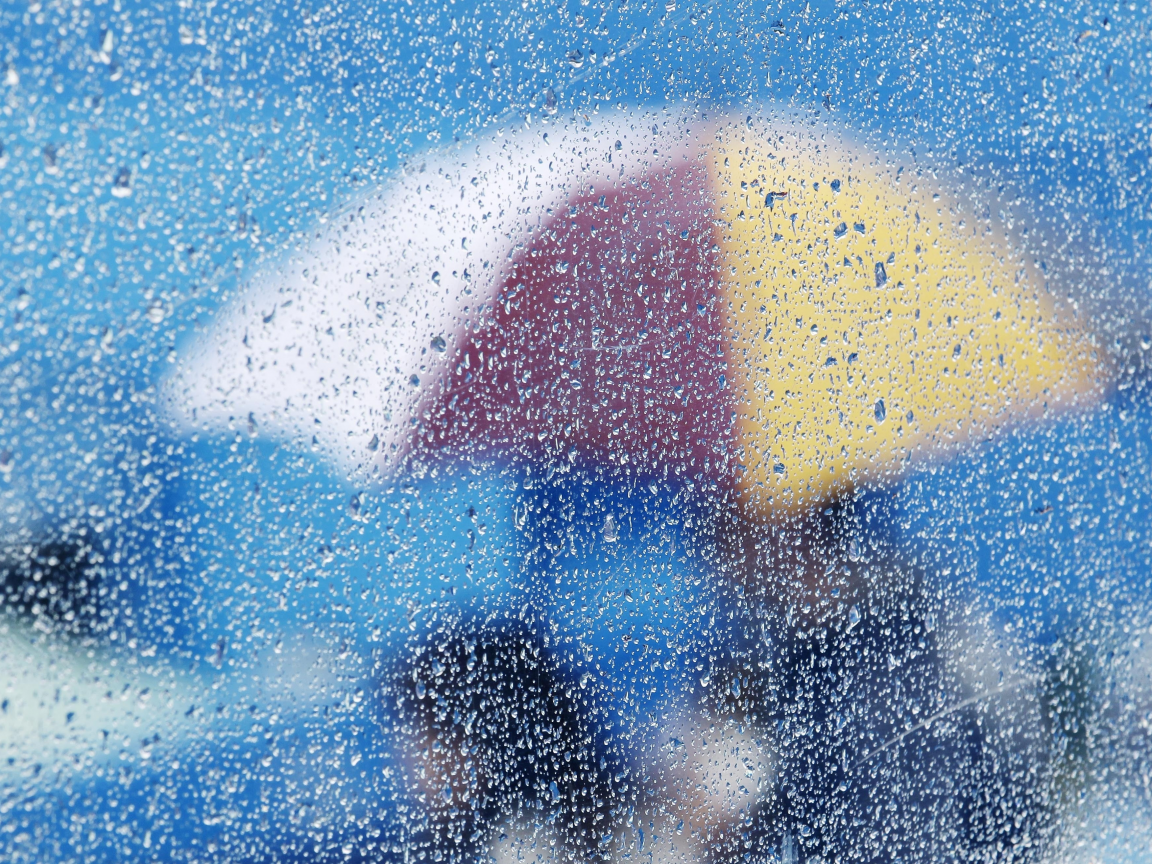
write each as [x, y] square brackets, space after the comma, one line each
[219, 647]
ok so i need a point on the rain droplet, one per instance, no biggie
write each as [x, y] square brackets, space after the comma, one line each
[155, 312]
[853, 616]
[555, 790]
[611, 532]
[122, 185]
[439, 344]
[881, 411]
[576, 58]
[881, 275]
[50, 159]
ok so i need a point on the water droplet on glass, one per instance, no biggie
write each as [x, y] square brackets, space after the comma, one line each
[881, 412]
[122, 185]
[611, 532]
[155, 312]
[853, 616]
[439, 344]
[576, 58]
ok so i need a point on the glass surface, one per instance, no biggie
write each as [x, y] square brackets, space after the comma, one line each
[579, 431]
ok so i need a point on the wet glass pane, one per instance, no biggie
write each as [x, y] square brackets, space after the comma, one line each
[575, 432]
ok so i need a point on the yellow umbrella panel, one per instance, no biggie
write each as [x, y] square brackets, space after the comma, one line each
[872, 323]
